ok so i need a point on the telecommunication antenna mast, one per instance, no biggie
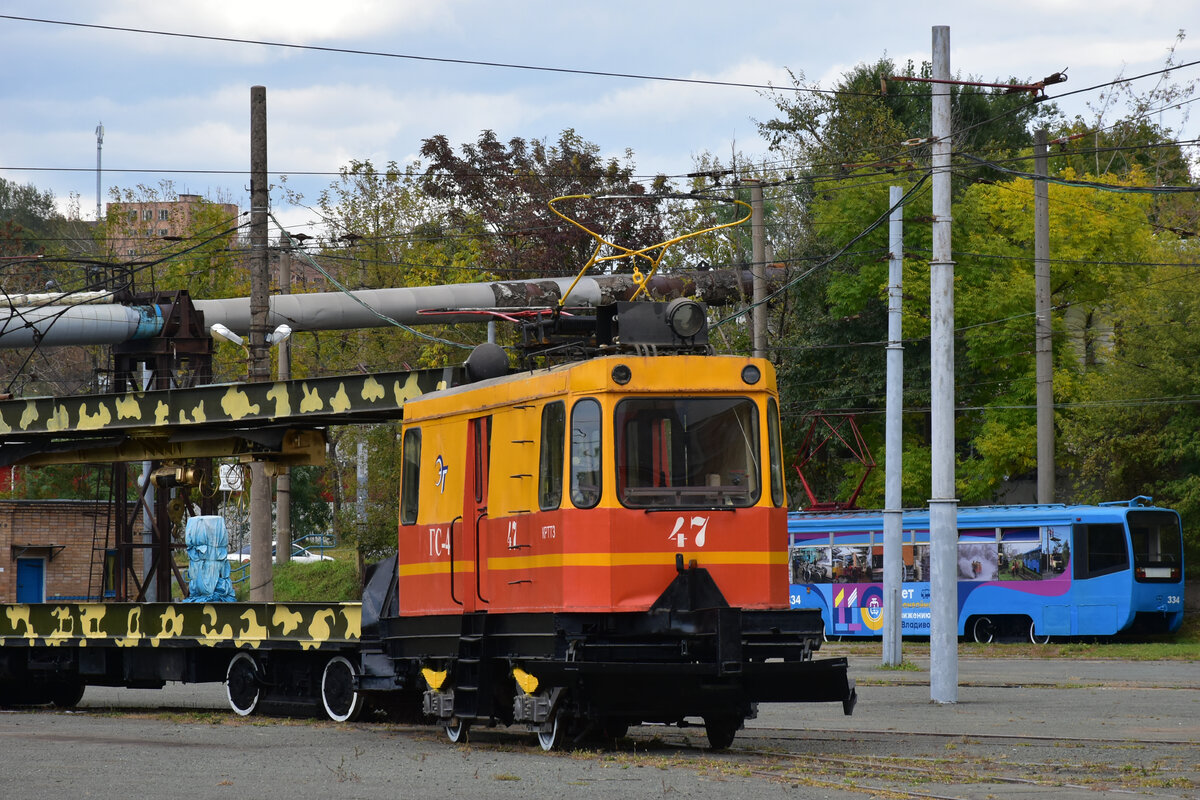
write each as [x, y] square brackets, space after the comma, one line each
[99, 147]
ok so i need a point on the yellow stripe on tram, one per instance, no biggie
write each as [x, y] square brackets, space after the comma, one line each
[712, 558]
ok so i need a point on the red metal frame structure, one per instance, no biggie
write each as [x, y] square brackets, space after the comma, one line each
[843, 428]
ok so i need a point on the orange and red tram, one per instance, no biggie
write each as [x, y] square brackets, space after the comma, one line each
[598, 544]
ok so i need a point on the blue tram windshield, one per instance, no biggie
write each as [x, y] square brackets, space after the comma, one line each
[1157, 546]
[687, 452]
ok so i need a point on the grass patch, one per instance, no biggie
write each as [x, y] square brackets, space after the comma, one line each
[322, 582]
[1183, 645]
[1112, 648]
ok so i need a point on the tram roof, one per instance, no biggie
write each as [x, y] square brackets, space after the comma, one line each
[975, 516]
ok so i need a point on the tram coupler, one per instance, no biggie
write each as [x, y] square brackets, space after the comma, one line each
[535, 709]
[438, 703]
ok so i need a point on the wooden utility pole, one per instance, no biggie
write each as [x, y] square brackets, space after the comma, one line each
[1044, 351]
[758, 243]
[283, 476]
[262, 582]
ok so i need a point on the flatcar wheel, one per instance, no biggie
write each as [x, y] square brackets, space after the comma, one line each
[456, 731]
[721, 730]
[342, 701]
[551, 739]
[66, 694]
[1037, 638]
[984, 630]
[242, 684]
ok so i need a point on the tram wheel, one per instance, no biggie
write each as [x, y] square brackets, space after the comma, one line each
[984, 630]
[342, 701]
[457, 730]
[242, 684]
[551, 739]
[721, 730]
[1037, 638]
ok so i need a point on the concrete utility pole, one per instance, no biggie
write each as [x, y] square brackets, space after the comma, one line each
[283, 477]
[262, 582]
[893, 561]
[758, 243]
[1045, 359]
[943, 505]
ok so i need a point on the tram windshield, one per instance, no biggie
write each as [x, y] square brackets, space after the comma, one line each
[1157, 546]
[688, 452]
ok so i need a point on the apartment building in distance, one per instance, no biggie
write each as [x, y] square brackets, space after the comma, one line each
[138, 229]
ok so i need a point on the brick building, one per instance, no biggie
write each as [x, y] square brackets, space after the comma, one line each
[141, 228]
[53, 550]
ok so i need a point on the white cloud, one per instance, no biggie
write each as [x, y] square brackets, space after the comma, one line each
[294, 21]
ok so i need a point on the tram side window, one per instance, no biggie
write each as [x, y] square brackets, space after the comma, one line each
[410, 477]
[1157, 546]
[775, 444]
[585, 454]
[550, 466]
[1100, 550]
[1021, 555]
[811, 564]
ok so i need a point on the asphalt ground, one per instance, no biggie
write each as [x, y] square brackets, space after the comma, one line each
[1021, 728]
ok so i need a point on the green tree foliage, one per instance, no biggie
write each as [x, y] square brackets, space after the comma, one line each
[994, 300]
[1126, 130]
[384, 231]
[44, 251]
[73, 481]
[508, 187]
[26, 217]
[311, 514]
[1134, 428]
[868, 119]
[203, 257]
[847, 150]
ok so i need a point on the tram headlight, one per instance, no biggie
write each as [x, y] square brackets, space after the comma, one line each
[621, 374]
[686, 317]
[751, 374]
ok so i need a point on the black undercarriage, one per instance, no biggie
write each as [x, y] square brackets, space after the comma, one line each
[691, 655]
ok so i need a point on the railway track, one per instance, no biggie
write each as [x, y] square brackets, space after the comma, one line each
[1106, 728]
[952, 766]
[841, 763]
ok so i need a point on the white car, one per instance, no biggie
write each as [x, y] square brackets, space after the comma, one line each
[300, 555]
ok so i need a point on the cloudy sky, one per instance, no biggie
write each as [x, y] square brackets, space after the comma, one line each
[171, 104]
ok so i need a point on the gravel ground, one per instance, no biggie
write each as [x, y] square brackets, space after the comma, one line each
[1022, 728]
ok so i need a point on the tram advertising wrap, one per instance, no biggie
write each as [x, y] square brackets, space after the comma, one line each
[1032, 571]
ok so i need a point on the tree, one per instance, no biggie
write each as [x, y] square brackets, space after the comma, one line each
[1135, 426]
[26, 215]
[508, 188]
[1140, 139]
[202, 256]
[857, 122]
[383, 231]
[995, 298]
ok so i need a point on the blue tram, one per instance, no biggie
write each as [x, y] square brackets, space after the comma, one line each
[1033, 571]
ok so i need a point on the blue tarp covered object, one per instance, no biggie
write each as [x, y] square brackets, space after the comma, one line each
[208, 560]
